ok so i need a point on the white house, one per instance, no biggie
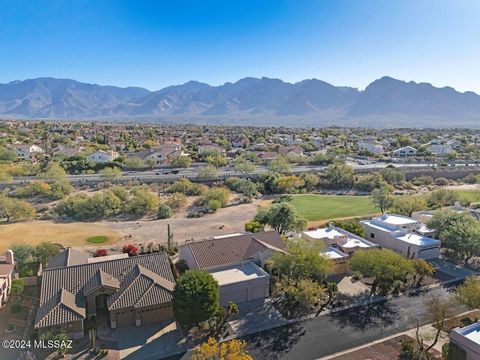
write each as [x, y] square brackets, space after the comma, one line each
[7, 265]
[406, 151]
[403, 235]
[468, 339]
[454, 144]
[339, 238]
[27, 152]
[102, 156]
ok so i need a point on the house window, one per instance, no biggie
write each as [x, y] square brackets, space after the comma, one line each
[372, 235]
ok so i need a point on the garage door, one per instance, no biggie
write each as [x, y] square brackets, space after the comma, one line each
[237, 296]
[156, 315]
[126, 318]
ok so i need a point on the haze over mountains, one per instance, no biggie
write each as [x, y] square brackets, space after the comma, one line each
[386, 102]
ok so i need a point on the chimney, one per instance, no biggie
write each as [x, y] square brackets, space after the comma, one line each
[9, 257]
[331, 225]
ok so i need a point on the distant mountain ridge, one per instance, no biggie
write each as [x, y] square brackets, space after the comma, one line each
[256, 101]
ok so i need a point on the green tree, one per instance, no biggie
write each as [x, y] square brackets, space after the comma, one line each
[393, 177]
[301, 295]
[459, 231]
[422, 269]
[195, 297]
[310, 180]
[244, 166]
[15, 209]
[45, 251]
[164, 211]
[253, 226]
[181, 162]
[143, 202]
[468, 293]
[220, 194]
[207, 172]
[442, 198]
[384, 266]
[17, 287]
[407, 205]
[110, 173]
[289, 184]
[279, 165]
[301, 261]
[134, 163]
[382, 198]
[339, 176]
[53, 171]
[282, 217]
[23, 254]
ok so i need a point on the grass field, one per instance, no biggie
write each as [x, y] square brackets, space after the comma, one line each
[324, 207]
[317, 208]
[35, 232]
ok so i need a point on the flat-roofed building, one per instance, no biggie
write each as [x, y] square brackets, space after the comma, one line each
[339, 258]
[468, 339]
[242, 282]
[337, 237]
[403, 235]
[7, 265]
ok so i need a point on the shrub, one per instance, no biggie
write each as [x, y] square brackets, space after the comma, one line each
[451, 351]
[253, 226]
[100, 253]
[214, 204]
[422, 180]
[15, 308]
[164, 211]
[176, 200]
[26, 272]
[218, 193]
[130, 249]
[441, 181]
[194, 214]
[470, 179]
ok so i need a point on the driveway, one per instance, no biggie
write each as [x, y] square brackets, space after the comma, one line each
[255, 316]
[147, 342]
[339, 331]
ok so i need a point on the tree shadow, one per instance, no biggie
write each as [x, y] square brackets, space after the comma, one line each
[274, 343]
[380, 314]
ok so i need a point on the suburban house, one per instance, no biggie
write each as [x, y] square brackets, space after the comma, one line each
[7, 265]
[406, 151]
[402, 234]
[102, 156]
[120, 291]
[340, 244]
[290, 151]
[372, 147]
[426, 215]
[27, 152]
[440, 149]
[159, 155]
[235, 261]
[468, 339]
[339, 238]
[69, 151]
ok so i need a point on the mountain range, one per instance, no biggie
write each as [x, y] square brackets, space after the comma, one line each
[386, 102]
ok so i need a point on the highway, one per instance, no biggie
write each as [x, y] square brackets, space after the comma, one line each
[166, 175]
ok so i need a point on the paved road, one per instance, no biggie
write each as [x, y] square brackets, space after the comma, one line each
[192, 173]
[329, 334]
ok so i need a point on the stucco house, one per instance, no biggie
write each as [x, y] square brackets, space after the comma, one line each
[403, 235]
[7, 265]
[339, 244]
[467, 339]
[27, 152]
[235, 262]
[126, 291]
[406, 151]
[102, 156]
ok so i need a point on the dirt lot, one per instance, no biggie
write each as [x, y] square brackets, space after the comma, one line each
[224, 221]
[35, 232]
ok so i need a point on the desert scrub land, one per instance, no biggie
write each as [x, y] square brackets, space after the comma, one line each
[73, 234]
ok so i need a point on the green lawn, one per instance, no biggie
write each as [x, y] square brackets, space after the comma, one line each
[97, 239]
[324, 207]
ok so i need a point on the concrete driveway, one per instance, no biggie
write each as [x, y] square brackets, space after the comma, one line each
[150, 341]
[255, 316]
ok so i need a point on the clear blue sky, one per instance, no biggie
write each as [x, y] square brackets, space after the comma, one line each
[158, 43]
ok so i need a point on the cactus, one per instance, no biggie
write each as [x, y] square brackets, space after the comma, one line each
[169, 239]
